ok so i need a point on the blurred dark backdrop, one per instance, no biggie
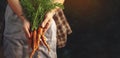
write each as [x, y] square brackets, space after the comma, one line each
[2, 9]
[95, 25]
[96, 29]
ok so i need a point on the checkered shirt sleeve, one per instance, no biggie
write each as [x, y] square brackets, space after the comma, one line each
[63, 28]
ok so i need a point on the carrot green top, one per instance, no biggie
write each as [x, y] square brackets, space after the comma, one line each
[35, 10]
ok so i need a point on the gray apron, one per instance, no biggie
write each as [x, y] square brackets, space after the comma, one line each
[15, 42]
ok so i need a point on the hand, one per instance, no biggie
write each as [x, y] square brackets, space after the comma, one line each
[26, 27]
[47, 21]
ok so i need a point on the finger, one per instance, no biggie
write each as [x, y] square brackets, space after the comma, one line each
[45, 21]
[27, 33]
[48, 24]
[48, 16]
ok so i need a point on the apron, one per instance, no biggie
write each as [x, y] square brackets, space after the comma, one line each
[15, 43]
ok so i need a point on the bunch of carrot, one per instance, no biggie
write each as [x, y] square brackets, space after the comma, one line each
[34, 41]
[35, 10]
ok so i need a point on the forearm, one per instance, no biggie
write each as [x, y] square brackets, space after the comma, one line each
[58, 1]
[16, 7]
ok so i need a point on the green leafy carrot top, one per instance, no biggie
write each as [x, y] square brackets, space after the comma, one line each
[35, 10]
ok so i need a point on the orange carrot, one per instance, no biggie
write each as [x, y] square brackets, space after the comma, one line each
[44, 41]
[39, 36]
[34, 38]
[36, 35]
[33, 43]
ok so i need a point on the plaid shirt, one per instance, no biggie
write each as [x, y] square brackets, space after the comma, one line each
[63, 28]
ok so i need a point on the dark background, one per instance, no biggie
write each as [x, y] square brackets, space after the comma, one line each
[95, 25]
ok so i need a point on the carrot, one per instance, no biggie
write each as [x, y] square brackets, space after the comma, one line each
[43, 38]
[44, 41]
[34, 38]
[33, 43]
[36, 35]
[39, 36]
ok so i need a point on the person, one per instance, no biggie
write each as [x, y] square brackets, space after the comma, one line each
[17, 28]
